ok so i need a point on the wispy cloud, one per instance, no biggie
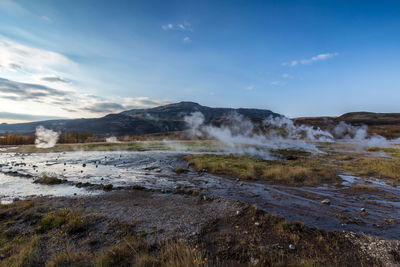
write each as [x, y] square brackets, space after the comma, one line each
[187, 39]
[26, 117]
[250, 88]
[34, 81]
[167, 27]
[18, 91]
[46, 18]
[185, 26]
[70, 101]
[127, 103]
[55, 79]
[15, 57]
[287, 76]
[277, 83]
[319, 57]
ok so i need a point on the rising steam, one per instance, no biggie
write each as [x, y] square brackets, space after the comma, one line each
[45, 138]
[112, 139]
[242, 136]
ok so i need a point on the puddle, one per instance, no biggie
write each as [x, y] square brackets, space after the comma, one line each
[12, 188]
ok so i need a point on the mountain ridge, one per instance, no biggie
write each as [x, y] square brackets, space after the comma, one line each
[159, 119]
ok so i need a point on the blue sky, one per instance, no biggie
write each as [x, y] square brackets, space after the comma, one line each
[299, 58]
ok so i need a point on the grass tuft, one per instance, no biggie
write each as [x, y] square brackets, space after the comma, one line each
[49, 180]
[299, 172]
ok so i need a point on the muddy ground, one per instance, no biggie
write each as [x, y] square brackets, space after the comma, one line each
[228, 233]
[230, 222]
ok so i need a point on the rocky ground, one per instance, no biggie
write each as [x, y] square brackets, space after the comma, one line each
[137, 227]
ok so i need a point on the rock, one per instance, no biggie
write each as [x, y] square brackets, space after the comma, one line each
[257, 224]
[292, 247]
[238, 212]
[84, 165]
[326, 202]
[107, 187]
[254, 261]
[363, 210]
[16, 199]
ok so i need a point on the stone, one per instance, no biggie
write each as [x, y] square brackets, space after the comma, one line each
[326, 202]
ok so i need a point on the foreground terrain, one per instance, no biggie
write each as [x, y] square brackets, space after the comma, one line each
[192, 203]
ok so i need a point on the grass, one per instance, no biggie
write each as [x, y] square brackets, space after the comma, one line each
[32, 235]
[49, 180]
[392, 151]
[374, 167]
[303, 171]
[191, 145]
[65, 237]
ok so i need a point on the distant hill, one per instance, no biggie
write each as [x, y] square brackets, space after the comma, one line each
[385, 124]
[160, 119]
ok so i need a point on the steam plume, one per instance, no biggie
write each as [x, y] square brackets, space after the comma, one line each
[112, 139]
[45, 138]
[241, 135]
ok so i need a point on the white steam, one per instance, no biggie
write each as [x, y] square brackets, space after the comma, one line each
[45, 138]
[112, 139]
[359, 134]
[242, 136]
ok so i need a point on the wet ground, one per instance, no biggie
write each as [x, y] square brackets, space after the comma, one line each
[375, 212]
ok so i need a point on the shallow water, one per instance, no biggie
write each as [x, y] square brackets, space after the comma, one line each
[154, 169]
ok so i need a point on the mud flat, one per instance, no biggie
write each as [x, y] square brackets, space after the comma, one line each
[132, 207]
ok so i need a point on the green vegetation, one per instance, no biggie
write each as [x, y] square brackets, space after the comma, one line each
[302, 171]
[49, 180]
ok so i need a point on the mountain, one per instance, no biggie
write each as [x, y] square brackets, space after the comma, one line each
[160, 119]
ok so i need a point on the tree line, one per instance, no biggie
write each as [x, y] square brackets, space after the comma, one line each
[64, 138]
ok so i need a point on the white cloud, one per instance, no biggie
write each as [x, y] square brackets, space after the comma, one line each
[186, 39]
[250, 88]
[167, 27]
[47, 19]
[185, 26]
[310, 60]
[36, 81]
[287, 76]
[18, 57]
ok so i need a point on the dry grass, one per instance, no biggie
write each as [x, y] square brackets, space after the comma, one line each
[191, 145]
[374, 167]
[392, 151]
[49, 180]
[302, 171]
[32, 235]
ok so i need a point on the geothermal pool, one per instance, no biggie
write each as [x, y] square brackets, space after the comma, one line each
[154, 170]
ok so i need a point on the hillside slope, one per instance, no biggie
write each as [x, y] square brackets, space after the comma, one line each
[161, 119]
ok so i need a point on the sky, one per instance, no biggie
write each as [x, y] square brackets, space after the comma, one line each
[75, 59]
